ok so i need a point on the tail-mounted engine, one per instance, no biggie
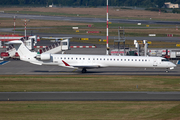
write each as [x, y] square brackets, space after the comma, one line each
[43, 56]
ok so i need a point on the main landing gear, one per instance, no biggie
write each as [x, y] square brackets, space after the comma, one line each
[167, 70]
[84, 70]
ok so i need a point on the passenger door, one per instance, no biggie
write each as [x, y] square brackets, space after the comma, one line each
[155, 63]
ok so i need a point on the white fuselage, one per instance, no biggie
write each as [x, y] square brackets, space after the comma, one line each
[108, 61]
[89, 61]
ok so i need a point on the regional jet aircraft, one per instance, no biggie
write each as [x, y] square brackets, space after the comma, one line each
[84, 62]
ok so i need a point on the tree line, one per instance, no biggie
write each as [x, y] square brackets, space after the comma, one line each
[90, 3]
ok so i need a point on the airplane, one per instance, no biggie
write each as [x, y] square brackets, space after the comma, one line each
[85, 62]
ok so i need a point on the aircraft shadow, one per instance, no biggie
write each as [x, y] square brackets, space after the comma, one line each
[112, 72]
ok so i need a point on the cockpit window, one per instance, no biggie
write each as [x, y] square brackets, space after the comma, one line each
[163, 60]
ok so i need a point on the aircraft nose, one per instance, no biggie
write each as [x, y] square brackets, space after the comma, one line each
[172, 65]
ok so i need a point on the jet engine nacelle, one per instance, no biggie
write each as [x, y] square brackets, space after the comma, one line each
[44, 56]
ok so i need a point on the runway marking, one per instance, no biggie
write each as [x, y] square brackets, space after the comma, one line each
[3, 62]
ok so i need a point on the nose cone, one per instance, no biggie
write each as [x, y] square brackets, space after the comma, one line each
[172, 65]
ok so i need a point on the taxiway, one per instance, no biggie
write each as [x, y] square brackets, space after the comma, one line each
[89, 96]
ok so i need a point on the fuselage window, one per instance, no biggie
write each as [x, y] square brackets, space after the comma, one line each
[132, 60]
[79, 58]
[104, 59]
[97, 58]
[83, 58]
[61, 58]
[71, 58]
[142, 60]
[93, 58]
[124, 59]
[110, 59]
[68, 58]
[145, 60]
[121, 59]
[139, 60]
[117, 59]
[100, 58]
[88, 58]
[76, 58]
[114, 59]
[107, 59]
[64, 58]
[135, 59]
[128, 59]
[64, 43]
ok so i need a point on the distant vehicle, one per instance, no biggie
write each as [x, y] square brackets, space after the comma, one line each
[29, 41]
[4, 55]
[84, 62]
[7, 38]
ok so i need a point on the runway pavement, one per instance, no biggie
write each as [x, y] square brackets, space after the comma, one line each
[24, 68]
[20, 67]
[164, 39]
[89, 96]
[82, 19]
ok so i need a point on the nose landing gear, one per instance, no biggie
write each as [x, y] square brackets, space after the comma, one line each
[167, 70]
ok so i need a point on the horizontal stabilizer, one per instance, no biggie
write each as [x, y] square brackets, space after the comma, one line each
[36, 63]
[15, 42]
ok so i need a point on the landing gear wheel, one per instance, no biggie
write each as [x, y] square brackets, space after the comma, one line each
[167, 70]
[84, 70]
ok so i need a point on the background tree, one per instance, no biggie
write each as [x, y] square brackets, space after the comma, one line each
[160, 3]
[141, 3]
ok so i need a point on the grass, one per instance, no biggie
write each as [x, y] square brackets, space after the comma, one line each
[54, 14]
[131, 30]
[64, 27]
[138, 17]
[80, 110]
[130, 43]
[9, 23]
[34, 83]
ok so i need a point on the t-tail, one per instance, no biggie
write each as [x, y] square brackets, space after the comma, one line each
[24, 53]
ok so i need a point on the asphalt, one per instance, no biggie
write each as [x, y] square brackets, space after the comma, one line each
[89, 96]
[83, 19]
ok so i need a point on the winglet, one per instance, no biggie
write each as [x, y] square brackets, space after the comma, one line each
[66, 64]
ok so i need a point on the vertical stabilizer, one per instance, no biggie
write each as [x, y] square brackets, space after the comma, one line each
[22, 50]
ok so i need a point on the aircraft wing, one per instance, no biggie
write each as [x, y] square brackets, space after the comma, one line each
[86, 66]
[79, 66]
